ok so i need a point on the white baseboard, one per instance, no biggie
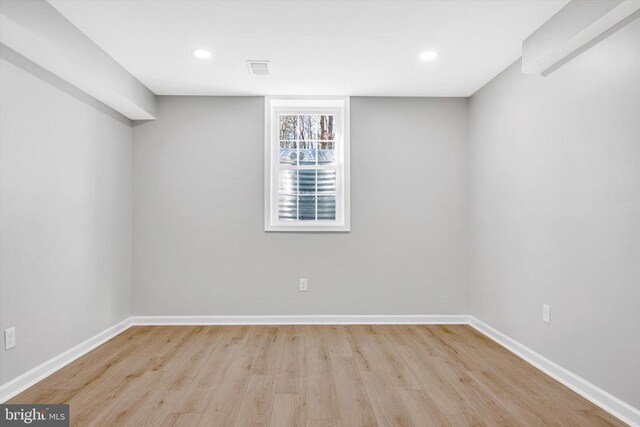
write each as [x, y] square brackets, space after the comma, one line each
[304, 320]
[40, 372]
[589, 391]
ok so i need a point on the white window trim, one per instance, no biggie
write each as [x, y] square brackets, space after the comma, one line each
[271, 157]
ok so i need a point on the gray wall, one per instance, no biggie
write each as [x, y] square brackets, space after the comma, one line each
[555, 211]
[199, 241]
[65, 215]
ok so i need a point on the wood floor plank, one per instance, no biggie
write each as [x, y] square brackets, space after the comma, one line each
[387, 405]
[503, 393]
[156, 409]
[92, 399]
[356, 375]
[207, 377]
[397, 370]
[117, 412]
[314, 336]
[415, 337]
[257, 403]
[442, 391]
[321, 397]
[225, 403]
[317, 361]
[359, 338]
[354, 405]
[422, 410]
[288, 411]
[180, 370]
[184, 419]
[337, 341]
[324, 423]
[291, 375]
[464, 420]
[420, 365]
[475, 400]
[270, 359]
[598, 417]
[88, 366]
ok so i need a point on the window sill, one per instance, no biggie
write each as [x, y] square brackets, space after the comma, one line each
[307, 228]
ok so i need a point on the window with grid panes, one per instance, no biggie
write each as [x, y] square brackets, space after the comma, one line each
[306, 164]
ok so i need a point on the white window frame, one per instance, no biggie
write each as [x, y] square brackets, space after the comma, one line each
[276, 106]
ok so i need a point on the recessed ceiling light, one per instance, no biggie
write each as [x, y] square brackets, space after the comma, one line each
[201, 53]
[428, 56]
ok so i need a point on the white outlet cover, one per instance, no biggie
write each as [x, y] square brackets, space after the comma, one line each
[546, 313]
[9, 338]
[303, 285]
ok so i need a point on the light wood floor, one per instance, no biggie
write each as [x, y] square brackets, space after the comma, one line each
[309, 375]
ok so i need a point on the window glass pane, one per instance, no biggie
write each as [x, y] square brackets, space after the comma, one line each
[326, 152]
[307, 152]
[327, 207]
[288, 182]
[326, 181]
[307, 181]
[288, 126]
[326, 129]
[307, 127]
[287, 207]
[288, 152]
[307, 208]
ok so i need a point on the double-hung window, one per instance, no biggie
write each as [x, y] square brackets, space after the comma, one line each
[306, 164]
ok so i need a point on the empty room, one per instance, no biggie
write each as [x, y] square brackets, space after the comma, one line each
[320, 213]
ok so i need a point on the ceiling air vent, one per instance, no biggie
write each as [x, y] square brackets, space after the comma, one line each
[258, 68]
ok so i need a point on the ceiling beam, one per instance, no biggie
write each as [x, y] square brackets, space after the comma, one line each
[576, 27]
[37, 31]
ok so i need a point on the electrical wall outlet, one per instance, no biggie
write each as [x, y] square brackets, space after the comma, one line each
[9, 338]
[546, 313]
[303, 285]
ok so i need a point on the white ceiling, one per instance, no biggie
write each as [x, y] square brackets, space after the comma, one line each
[316, 47]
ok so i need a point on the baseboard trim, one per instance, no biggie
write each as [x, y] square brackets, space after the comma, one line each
[304, 320]
[40, 372]
[589, 391]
